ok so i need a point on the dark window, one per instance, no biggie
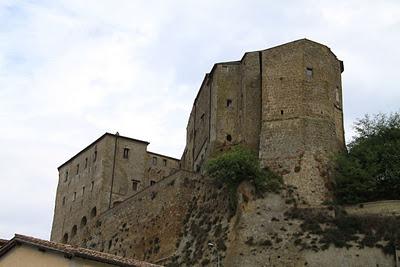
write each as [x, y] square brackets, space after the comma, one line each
[126, 153]
[77, 169]
[229, 103]
[281, 112]
[74, 196]
[154, 161]
[83, 221]
[86, 161]
[164, 162]
[65, 238]
[309, 72]
[83, 191]
[152, 182]
[73, 231]
[135, 184]
[337, 94]
[229, 138]
[93, 212]
[91, 186]
[66, 176]
[63, 201]
[95, 156]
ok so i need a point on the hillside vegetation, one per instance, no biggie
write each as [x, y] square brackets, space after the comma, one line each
[370, 170]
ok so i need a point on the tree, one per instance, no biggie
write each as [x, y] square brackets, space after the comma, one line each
[371, 169]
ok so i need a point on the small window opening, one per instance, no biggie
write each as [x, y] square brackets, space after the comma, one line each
[202, 117]
[95, 156]
[165, 162]
[74, 196]
[228, 103]
[83, 221]
[73, 231]
[77, 168]
[86, 162]
[135, 184]
[109, 244]
[229, 138]
[309, 72]
[83, 191]
[66, 176]
[63, 201]
[152, 182]
[154, 161]
[91, 186]
[93, 212]
[65, 238]
[281, 112]
[337, 95]
[126, 153]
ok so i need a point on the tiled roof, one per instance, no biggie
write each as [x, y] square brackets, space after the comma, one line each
[3, 242]
[73, 251]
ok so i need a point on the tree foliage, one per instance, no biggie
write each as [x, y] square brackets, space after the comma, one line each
[240, 164]
[371, 169]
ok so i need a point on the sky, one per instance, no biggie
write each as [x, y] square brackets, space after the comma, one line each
[72, 70]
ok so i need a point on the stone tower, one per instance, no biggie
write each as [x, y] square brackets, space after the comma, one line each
[302, 116]
[284, 102]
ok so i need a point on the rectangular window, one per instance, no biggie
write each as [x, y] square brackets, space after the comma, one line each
[83, 191]
[66, 176]
[74, 196]
[63, 201]
[152, 182]
[135, 184]
[228, 103]
[154, 161]
[165, 162]
[86, 162]
[92, 186]
[77, 168]
[309, 72]
[126, 153]
[95, 156]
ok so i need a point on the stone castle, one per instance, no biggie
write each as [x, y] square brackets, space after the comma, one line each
[285, 103]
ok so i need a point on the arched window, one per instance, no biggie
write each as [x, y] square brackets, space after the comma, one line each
[65, 238]
[93, 213]
[73, 231]
[83, 221]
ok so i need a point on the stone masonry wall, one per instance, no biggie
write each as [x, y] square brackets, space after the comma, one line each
[147, 225]
[300, 129]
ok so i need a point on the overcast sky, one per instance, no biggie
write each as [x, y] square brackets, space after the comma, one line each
[72, 70]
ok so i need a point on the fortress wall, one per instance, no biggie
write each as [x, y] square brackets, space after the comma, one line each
[126, 169]
[226, 83]
[382, 208]
[299, 125]
[147, 225]
[201, 119]
[251, 100]
[70, 213]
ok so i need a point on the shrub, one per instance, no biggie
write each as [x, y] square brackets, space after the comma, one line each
[240, 164]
